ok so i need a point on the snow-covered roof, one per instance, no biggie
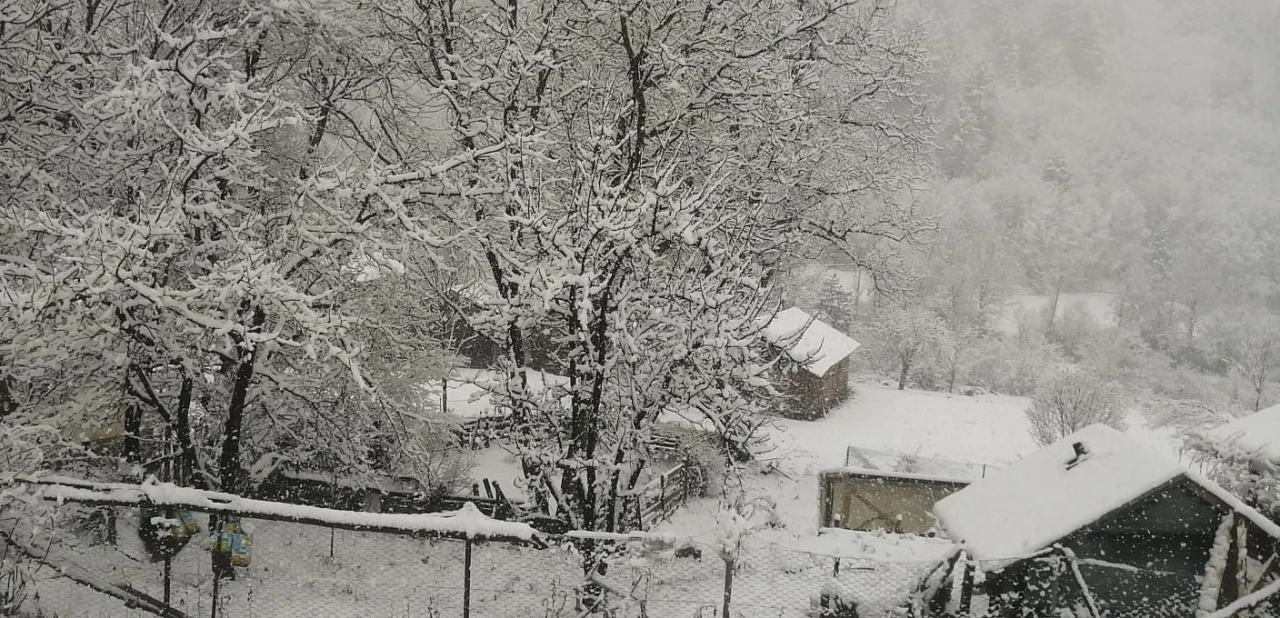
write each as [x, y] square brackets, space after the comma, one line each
[1030, 504]
[808, 341]
[1256, 436]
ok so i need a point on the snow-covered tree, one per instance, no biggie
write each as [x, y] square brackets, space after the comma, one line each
[1258, 356]
[191, 210]
[836, 305]
[650, 165]
[907, 334]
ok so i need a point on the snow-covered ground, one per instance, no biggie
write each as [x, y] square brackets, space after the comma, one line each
[987, 429]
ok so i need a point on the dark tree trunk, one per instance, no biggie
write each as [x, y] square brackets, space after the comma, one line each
[1053, 307]
[187, 462]
[132, 429]
[902, 378]
[229, 471]
[8, 403]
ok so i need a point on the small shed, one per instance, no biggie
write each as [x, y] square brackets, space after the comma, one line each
[820, 355]
[1100, 525]
[862, 499]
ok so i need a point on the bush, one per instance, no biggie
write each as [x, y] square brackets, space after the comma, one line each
[1071, 401]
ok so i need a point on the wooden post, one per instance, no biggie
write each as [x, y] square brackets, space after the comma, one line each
[1242, 561]
[662, 494]
[728, 586]
[684, 481]
[466, 581]
[168, 581]
[213, 612]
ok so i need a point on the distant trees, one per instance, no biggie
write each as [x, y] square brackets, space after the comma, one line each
[836, 305]
[908, 333]
[1258, 355]
[1070, 401]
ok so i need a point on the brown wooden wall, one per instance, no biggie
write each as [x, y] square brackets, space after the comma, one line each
[813, 396]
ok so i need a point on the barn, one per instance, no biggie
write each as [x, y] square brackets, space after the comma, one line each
[1100, 525]
[817, 376]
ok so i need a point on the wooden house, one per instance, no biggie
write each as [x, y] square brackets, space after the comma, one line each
[862, 499]
[1100, 525]
[818, 376]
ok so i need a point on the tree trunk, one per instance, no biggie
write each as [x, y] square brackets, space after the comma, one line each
[132, 427]
[1053, 307]
[187, 463]
[8, 403]
[229, 470]
[857, 290]
[902, 379]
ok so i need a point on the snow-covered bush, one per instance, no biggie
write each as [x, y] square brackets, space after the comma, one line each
[1071, 401]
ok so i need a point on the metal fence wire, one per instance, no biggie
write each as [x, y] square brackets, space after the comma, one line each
[98, 566]
[308, 571]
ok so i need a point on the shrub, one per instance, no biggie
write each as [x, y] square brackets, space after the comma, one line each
[1071, 401]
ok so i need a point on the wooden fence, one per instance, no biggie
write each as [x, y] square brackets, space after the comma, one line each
[660, 498]
[478, 432]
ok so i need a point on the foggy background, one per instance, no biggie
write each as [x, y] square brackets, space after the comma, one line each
[1105, 174]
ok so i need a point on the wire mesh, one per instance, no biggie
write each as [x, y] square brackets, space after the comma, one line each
[305, 571]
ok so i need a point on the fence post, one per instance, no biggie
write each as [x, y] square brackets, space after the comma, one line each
[168, 580]
[728, 585]
[466, 581]
[662, 495]
[684, 482]
[213, 605]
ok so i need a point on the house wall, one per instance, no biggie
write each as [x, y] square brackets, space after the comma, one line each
[812, 396]
[1166, 535]
[858, 502]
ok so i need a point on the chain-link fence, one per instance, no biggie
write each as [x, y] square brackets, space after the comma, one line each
[95, 561]
[97, 565]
